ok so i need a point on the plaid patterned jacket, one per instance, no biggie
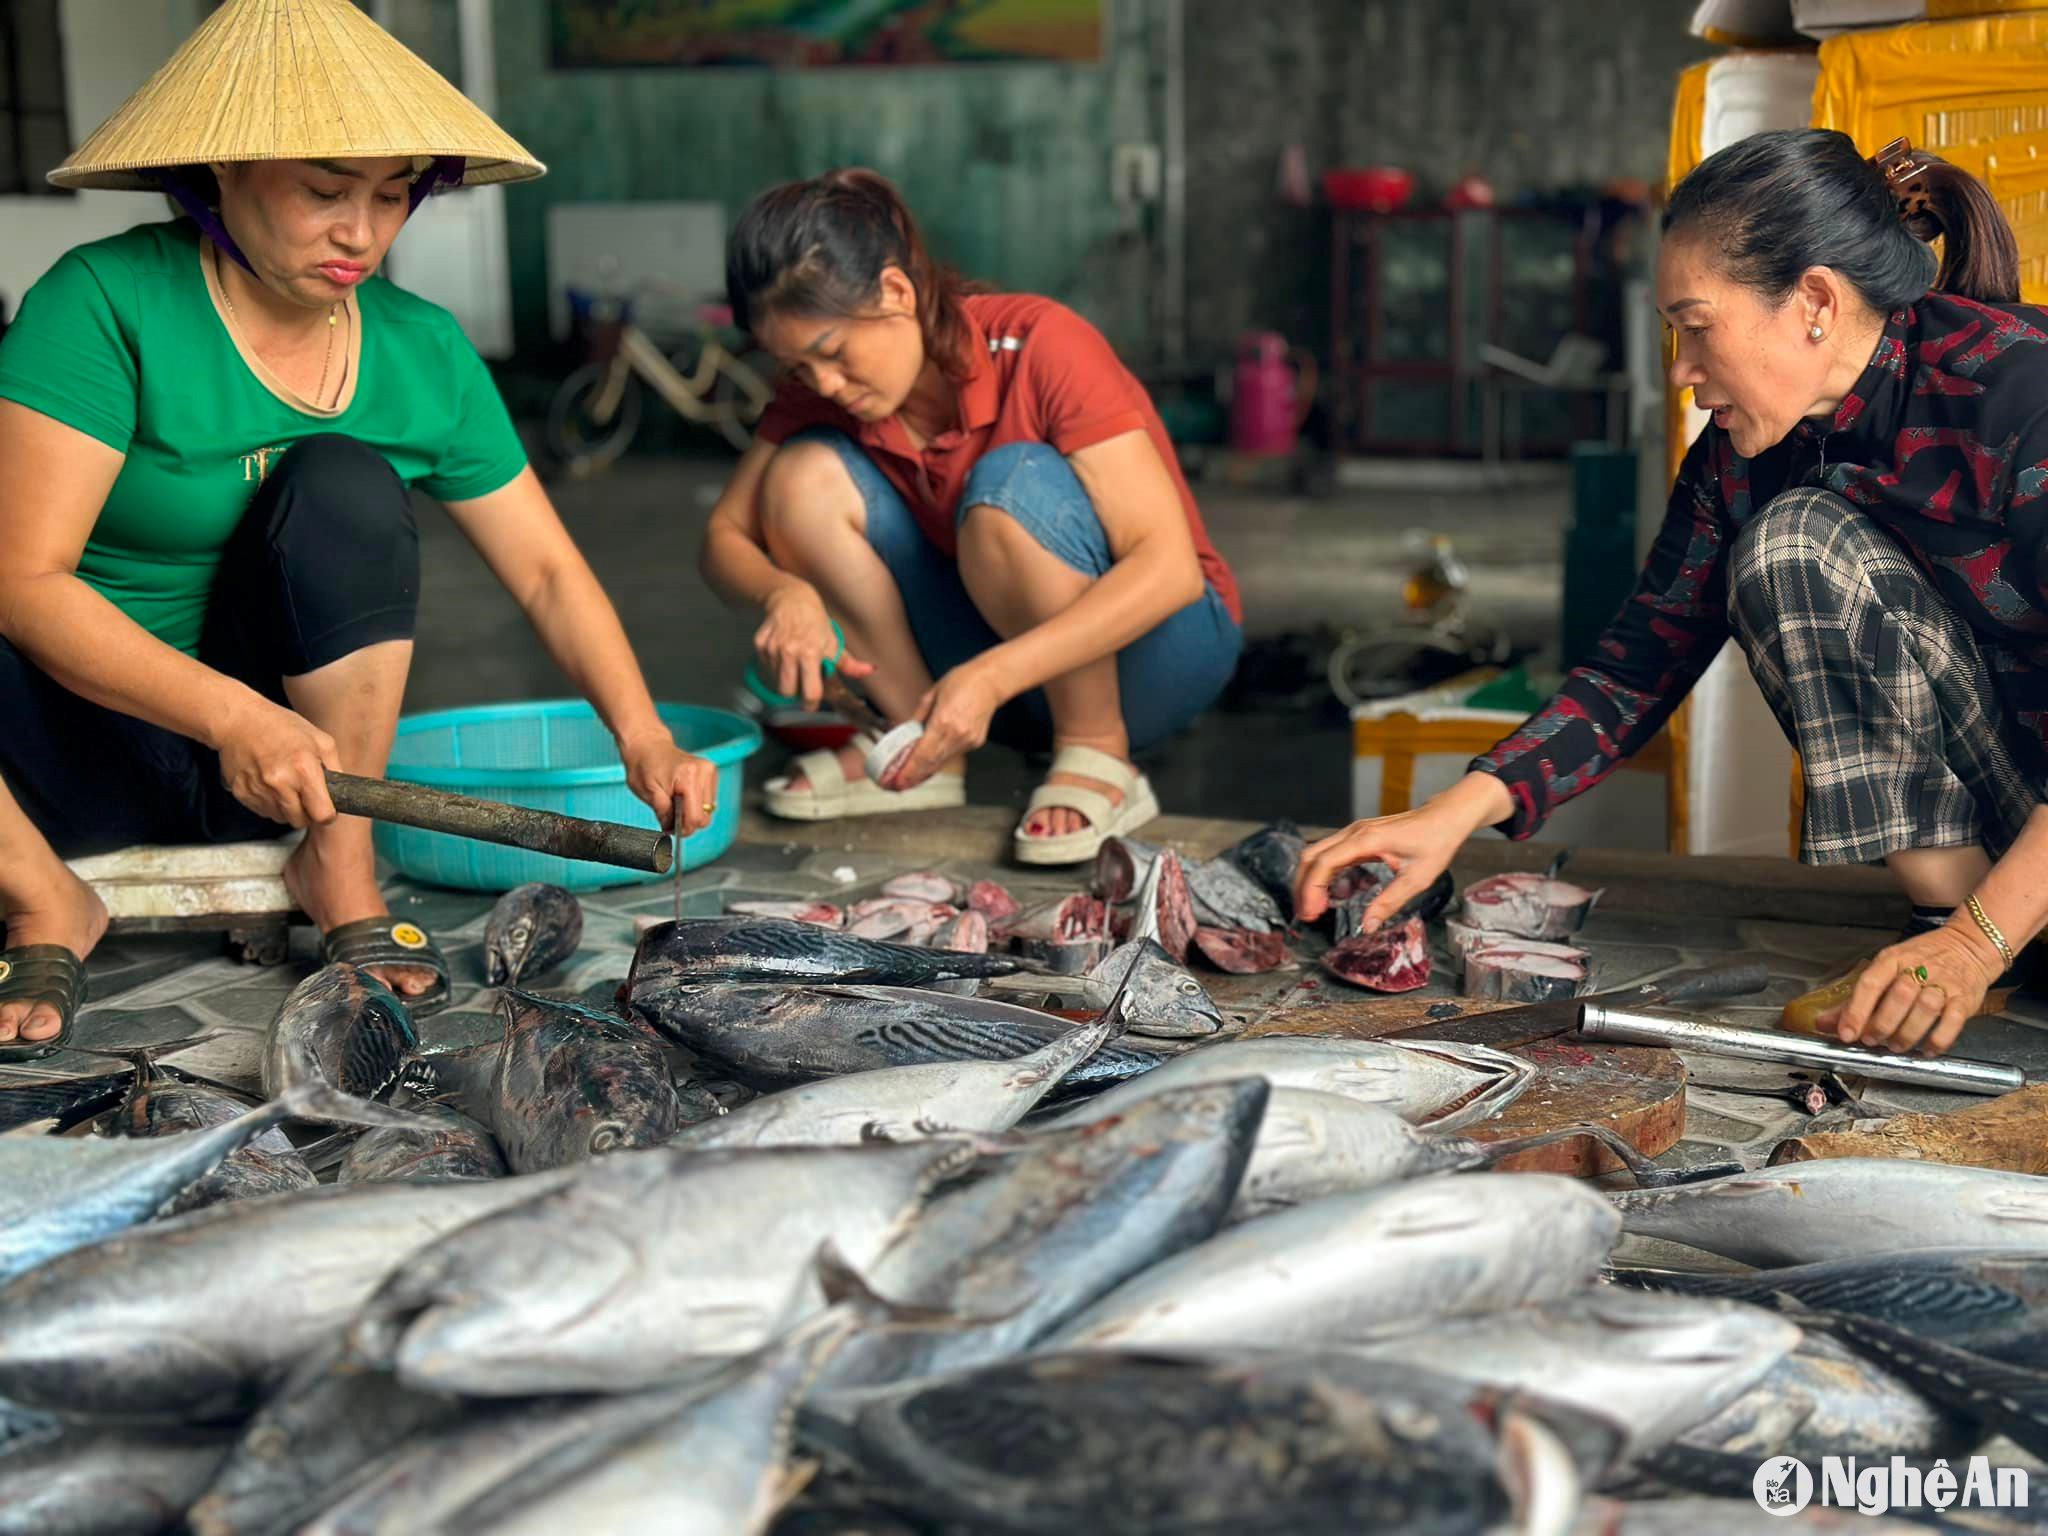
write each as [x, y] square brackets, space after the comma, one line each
[1944, 441]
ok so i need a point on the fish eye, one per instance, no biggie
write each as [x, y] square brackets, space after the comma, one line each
[606, 1138]
[1190, 985]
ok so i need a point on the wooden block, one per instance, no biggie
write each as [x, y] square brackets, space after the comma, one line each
[2005, 1132]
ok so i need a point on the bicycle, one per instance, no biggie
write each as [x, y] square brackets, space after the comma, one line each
[1434, 641]
[704, 377]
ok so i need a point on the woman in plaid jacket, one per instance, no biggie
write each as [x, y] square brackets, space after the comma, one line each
[1864, 515]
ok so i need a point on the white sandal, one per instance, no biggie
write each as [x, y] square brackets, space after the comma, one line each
[1106, 818]
[830, 794]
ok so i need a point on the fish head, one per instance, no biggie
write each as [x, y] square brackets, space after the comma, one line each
[1156, 995]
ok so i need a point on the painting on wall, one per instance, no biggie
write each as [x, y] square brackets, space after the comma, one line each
[804, 33]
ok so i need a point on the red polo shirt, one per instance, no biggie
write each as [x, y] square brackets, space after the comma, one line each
[1042, 374]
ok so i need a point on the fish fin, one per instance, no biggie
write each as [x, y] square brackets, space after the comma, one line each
[2016, 1205]
[842, 1283]
[1539, 1472]
[317, 1101]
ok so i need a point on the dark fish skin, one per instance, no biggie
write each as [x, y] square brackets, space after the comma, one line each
[773, 1037]
[1989, 1302]
[1272, 857]
[342, 1027]
[1117, 1445]
[107, 1481]
[563, 1085]
[1226, 897]
[775, 949]
[66, 1102]
[456, 1148]
[268, 1165]
[532, 929]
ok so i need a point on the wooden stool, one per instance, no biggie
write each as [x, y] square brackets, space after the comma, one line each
[234, 889]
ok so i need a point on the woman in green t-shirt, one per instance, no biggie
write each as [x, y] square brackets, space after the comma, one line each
[207, 431]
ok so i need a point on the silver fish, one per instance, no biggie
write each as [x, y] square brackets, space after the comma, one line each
[196, 1318]
[1163, 999]
[1658, 1364]
[101, 1481]
[62, 1193]
[164, 1106]
[1226, 897]
[342, 1028]
[1433, 1082]
[642, 1265]
[1348, 1265]
[900, 1103]
[1847, 1207]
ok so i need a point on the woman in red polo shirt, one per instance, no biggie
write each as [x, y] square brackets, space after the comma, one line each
[986, 501]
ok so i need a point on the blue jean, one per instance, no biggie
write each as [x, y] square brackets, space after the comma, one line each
[1166, 677]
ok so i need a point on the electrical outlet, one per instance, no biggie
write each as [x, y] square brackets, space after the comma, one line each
[1134, 174]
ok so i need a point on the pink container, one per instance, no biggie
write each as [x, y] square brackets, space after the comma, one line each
[1270, 396]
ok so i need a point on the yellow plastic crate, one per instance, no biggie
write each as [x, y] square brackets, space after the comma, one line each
[1975, 92]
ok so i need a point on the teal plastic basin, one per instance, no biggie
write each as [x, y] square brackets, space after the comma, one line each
[554, 755]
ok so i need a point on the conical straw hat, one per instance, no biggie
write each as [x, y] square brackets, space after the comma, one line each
[292, 80]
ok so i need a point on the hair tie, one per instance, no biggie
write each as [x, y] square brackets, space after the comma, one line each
[1905, 176]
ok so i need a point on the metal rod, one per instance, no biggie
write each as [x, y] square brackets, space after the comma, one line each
[488, 821]
[1955, 1074]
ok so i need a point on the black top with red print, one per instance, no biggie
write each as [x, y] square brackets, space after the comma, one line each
[1944, 441]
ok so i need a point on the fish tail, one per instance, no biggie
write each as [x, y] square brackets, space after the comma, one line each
[317, 1101]
[843, 1285]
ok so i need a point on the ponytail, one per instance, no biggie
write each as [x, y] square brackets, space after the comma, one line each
[1775, 205]
[820, 247]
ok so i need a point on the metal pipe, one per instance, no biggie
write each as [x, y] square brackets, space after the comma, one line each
[514, 826]
[1685, 1032]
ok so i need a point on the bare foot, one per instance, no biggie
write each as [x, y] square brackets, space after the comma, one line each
[853, 763]
[1059, 821]
[333, 891]
[73, 916]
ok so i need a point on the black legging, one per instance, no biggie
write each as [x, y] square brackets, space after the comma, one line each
[326, 562]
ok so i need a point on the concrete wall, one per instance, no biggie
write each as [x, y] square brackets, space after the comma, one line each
[1533, 94]
[110, 47]
[1008, 167]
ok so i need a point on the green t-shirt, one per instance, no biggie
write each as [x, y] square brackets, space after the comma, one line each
[121, 340]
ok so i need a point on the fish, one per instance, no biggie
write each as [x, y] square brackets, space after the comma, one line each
[1066, 936]
[60, 1193]
[901, 1103]
[764, 949]
[64, 1102]
[532, 929]
[100, 1481]
[1731, 1517]
[642, 1266]
[1445, 1085]
[1241, 952]
[1394, 958]
[1166, 908]
[1054, 1226]
[447, 1144]
[1659, 1364]
[1272, 857]
[1117, 1444]
[329, 1419]
[563, 1084]
[1345, 1266]
[1353, 889]
[196, 1318]
[773, 1037]
[268, 1164]
[732, 1431]
[927, 886]
[1822, 1399]
[821, 914]
[1842, 1208]
[343, 1028]
[1226, 897]
[1987, 1300]
[1122, 866]
[1528, 906]
[898, 919]
[992, 900]
[1525, 970]
[965, 934]
[1161, 998]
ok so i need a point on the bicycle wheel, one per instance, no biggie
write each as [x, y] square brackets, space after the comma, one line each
[1387, 663]
[575, 436]
[739, 396]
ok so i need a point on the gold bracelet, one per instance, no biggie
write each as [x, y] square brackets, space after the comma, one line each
[1991, 932]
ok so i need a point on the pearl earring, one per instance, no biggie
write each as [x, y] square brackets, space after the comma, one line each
[1815, 332]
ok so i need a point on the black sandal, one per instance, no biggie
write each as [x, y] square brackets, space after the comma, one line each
[379, 942]
[41, 973]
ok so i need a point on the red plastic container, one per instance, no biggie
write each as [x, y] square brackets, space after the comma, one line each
[1372, 188]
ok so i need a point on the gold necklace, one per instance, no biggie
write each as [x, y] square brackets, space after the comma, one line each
[220, 279]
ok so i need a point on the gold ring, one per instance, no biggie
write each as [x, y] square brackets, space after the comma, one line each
[710, 806]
